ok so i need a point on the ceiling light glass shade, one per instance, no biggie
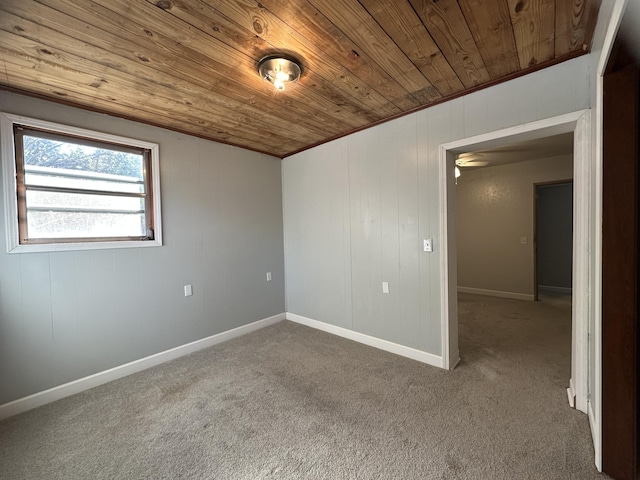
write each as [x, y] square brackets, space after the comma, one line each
[279, 70]
[457, 172]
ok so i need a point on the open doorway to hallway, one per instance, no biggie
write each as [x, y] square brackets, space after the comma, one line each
[513, 215]
[495, 215]
[584, 386]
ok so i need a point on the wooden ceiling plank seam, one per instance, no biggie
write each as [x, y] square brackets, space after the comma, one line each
[534, 30]
[28, 87]
[326, 113]
[369, 37]
[404, 27]
[10, 22]
[571, 20]
[446, 24]
[490, 25]
[95, 34]
[232, 29]
[311, 24]
[190, 37]
[96, 82]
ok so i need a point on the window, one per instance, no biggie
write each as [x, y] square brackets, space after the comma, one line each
[69, 188]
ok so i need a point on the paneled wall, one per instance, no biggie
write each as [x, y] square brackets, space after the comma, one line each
[356, 209]
[66, 315]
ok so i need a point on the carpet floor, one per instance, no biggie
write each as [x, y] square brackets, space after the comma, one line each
[290, 402]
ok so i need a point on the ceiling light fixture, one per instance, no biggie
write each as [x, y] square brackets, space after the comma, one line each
[279, 70]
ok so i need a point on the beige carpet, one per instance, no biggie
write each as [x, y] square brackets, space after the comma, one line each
[289, 402]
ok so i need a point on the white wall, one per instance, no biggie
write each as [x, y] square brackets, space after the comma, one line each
[494, 209]
[356, 209]
[66, 315]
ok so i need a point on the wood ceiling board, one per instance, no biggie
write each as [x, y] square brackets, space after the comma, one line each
[446, 24]
[402, 24]
[21, 77]
[350, 16]
[218, 75]
[490, 24]
[62, 70]
[28, 87]
[204, 75]
[574, 25]
[304, 18]
[246, 27]
[195, 61]
[188, 93]
[534, 30]
[187, 40]
[186, 51]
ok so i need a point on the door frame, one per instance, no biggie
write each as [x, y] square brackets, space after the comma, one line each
[584, 222]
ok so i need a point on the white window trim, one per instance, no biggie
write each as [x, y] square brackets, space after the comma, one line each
[7, 121]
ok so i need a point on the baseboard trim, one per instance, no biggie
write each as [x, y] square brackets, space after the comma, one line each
[551, 289]
[385, 345]
[571, 394]
[61, 391]
[497, 293]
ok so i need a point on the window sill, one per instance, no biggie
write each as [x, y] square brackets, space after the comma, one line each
[65, 247]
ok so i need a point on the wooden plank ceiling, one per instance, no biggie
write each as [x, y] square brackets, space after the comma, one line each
[191, 65]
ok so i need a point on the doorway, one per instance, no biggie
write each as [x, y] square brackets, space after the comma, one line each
[579, 123]
[553, 238]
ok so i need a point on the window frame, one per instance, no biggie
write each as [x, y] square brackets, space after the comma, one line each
[13, 186]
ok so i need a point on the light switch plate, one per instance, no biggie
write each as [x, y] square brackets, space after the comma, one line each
[188, 291]
[385, 287]
[428, 245]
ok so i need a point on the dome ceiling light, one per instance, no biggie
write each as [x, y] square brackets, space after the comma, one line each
[279, 70]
